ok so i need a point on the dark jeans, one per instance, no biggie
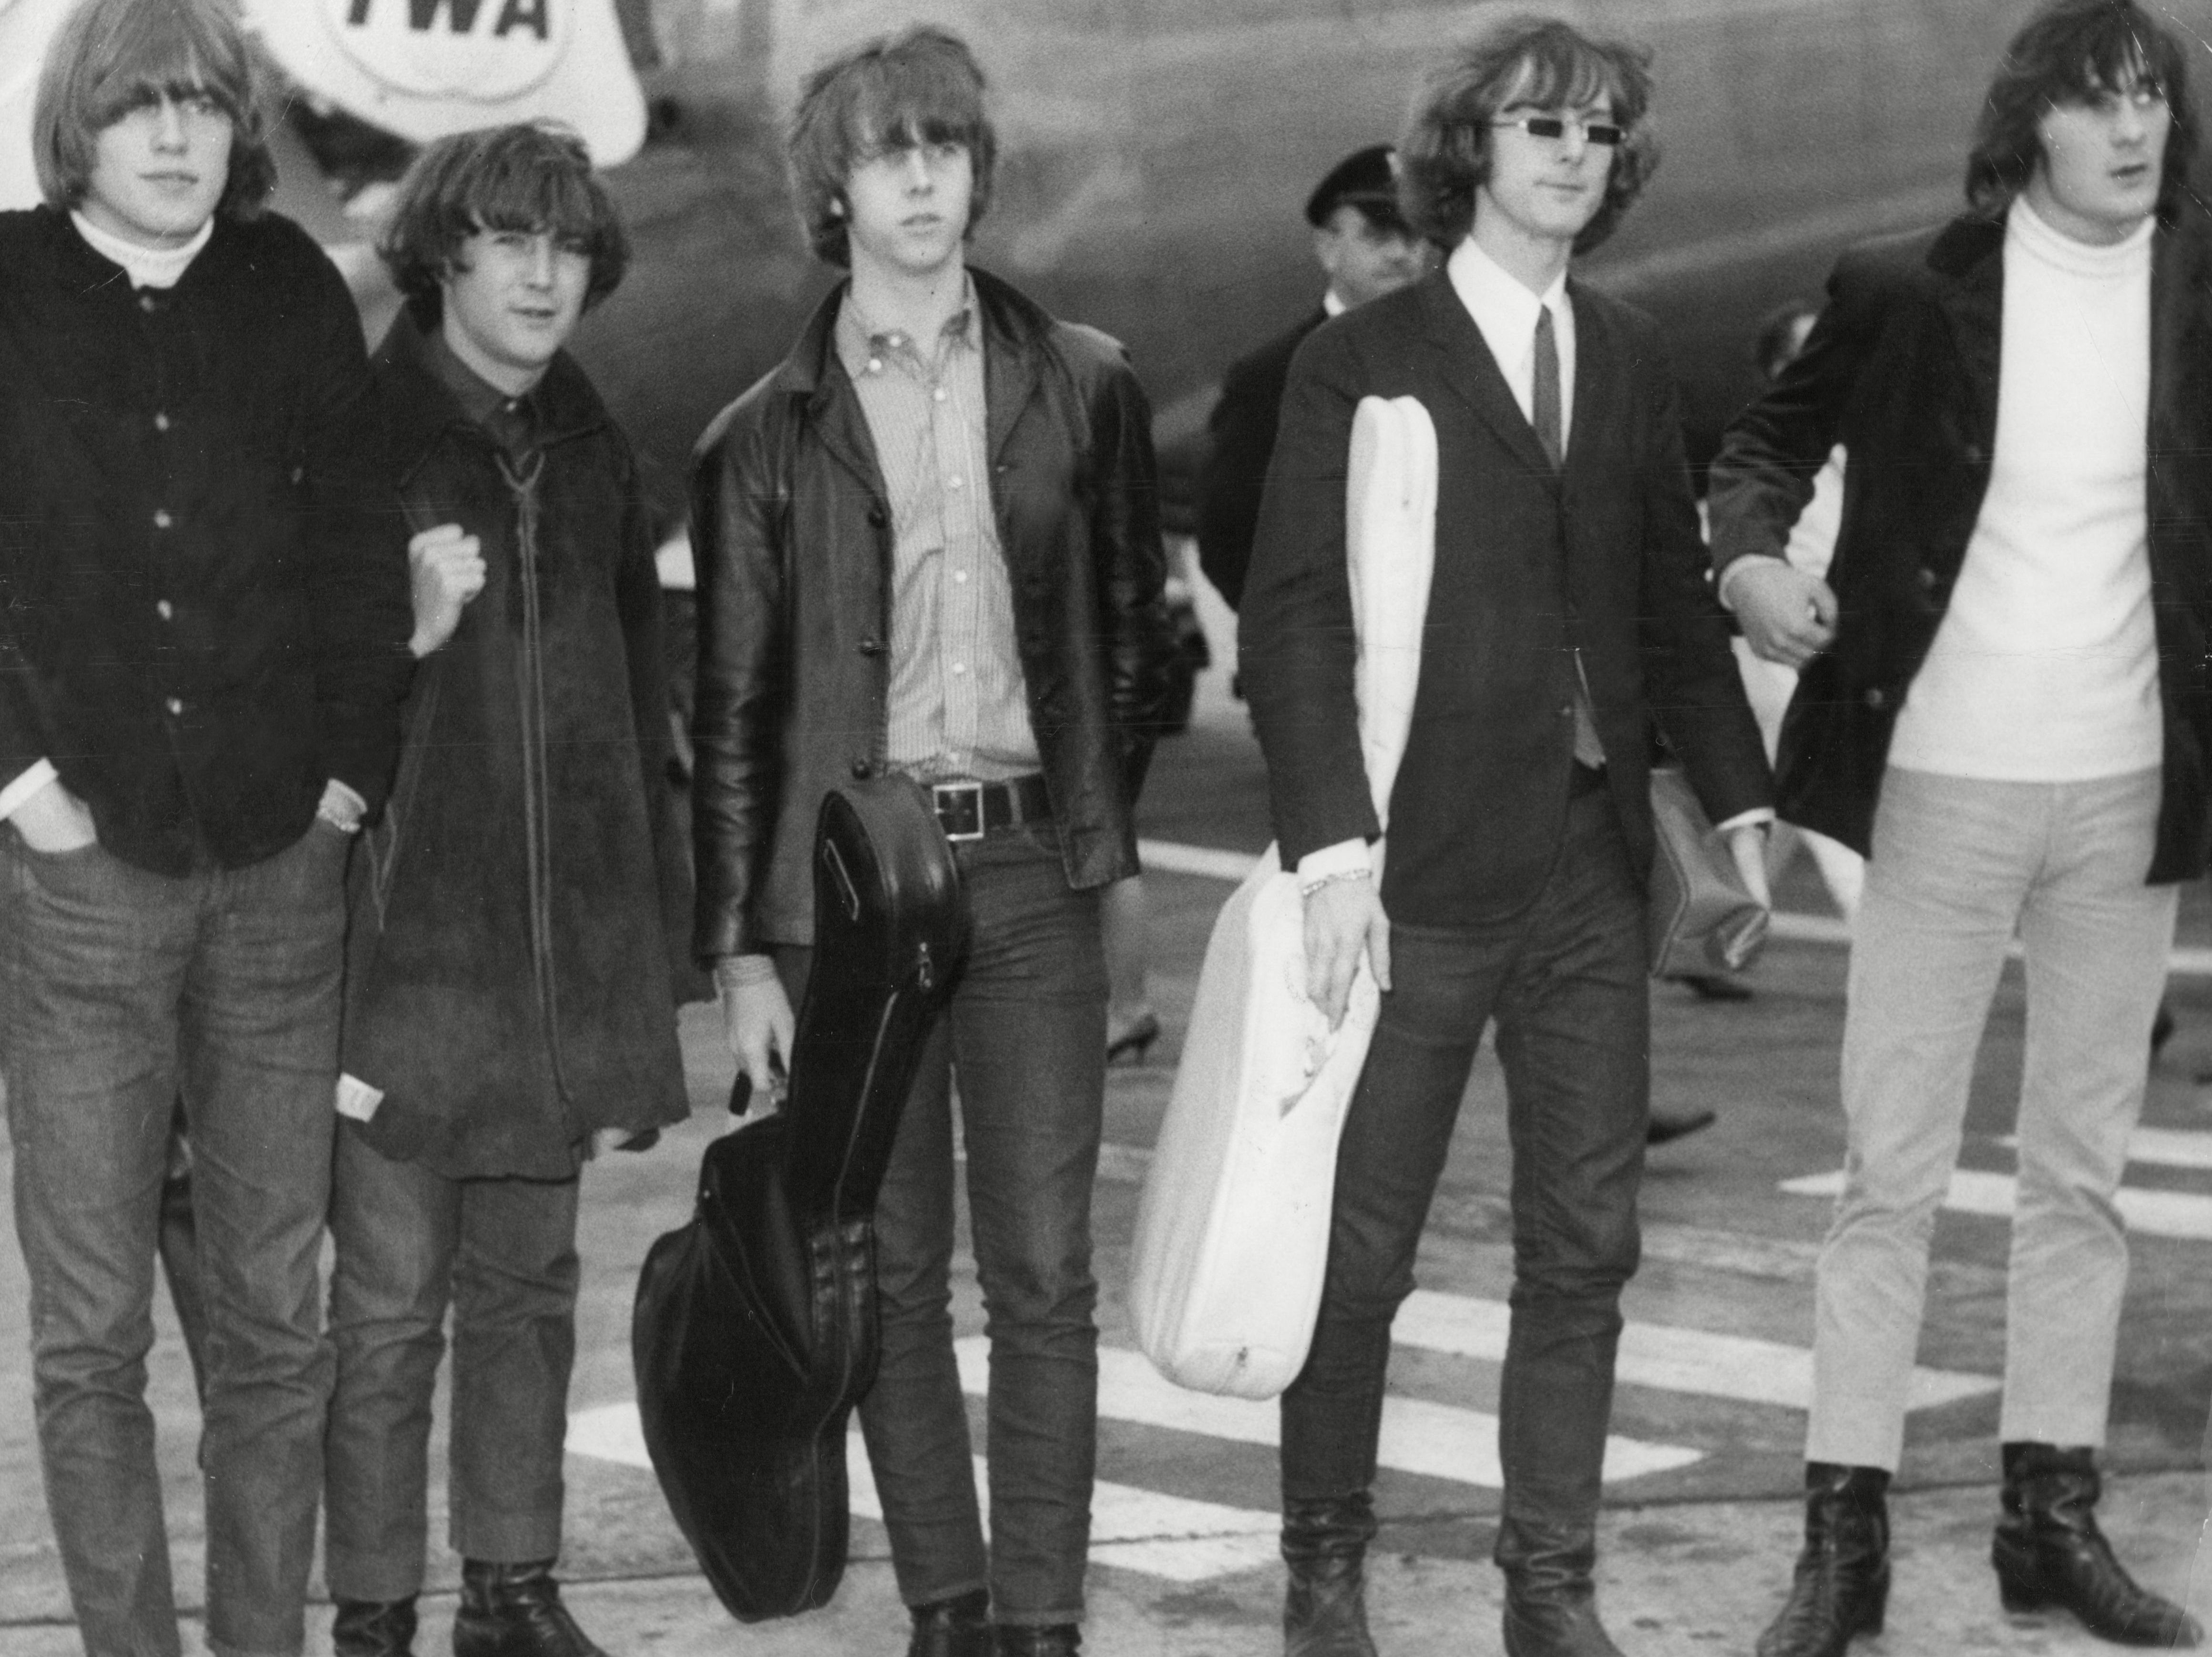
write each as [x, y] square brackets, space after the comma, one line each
[122, 992]
[1026, 1036]
[1566, 982]
[503, 1254]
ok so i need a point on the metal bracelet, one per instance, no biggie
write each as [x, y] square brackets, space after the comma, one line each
[1308, 887]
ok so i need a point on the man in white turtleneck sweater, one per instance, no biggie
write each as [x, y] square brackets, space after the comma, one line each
[1994, 711]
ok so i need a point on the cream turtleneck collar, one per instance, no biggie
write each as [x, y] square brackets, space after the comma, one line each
[146, 267]
[2038, 237]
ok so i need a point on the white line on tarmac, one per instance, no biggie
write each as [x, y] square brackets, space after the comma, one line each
[2157, 1147]
[1437, 1441]
[1166, 1536]
[1662, 1356]
[2153, 1213]
[1172, 858]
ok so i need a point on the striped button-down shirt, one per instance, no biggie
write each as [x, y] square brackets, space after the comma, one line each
[957, 708]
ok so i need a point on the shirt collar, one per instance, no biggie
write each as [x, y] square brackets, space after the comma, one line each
[1501, 305]
[861, 344]
[509, 419]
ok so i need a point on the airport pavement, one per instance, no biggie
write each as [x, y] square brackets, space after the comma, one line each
[1701, 1516]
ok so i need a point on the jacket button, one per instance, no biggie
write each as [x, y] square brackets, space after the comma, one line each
[871, 646]
[877, 515]
[1971, 454]
[162, 520]
[1876, 697]
[861, 769]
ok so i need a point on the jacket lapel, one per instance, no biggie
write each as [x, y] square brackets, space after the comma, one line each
[1968, 259]
[812, 374]
[1471, 372]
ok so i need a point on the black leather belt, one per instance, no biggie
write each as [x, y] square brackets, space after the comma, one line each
[1584, 780]
[970, 811]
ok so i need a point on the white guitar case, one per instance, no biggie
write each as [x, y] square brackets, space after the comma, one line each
[1232, 1232]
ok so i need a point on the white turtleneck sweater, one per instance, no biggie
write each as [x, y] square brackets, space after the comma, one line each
[2046, 666]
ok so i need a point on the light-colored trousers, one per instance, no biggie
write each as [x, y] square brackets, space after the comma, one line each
[1958, 867]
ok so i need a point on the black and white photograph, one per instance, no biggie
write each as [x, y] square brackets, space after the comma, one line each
[1158, 827]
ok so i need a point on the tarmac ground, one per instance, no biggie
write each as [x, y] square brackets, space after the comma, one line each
[1701, 1514]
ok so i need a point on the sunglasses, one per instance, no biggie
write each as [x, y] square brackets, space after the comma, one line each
[1555, 126]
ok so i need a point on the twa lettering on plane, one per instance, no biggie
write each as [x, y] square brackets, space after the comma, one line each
[484, 51]
[422, 68]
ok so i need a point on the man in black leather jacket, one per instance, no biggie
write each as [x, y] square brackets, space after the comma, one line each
[928, 544]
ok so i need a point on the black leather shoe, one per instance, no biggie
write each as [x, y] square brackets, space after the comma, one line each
[1551, 1608]
[373, 1628]
[953, 1628]
[1027, 1640]
[1325, 1546]
[1665, 1127]
[2049, 1551]
[1842, 1586]
[515, 1610]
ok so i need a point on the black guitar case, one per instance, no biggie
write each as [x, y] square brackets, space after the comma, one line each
[755, 1330]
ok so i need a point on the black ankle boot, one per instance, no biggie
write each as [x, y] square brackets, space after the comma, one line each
[1325, 1544]
[1551, 1607]
[373, 1628]
[515, 1610]
[2049, 1551]
[1029, 1639]
[959, 1627]
[1842, 1585]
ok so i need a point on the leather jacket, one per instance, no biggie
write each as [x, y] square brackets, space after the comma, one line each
[793, 533]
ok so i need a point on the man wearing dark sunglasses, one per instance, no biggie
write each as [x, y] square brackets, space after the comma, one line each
[1567, 609]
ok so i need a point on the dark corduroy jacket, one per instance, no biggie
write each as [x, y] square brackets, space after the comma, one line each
[1902, 370]
[518, 918]
[793, 536]
[203, 603]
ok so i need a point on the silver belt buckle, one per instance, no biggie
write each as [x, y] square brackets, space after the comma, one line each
[957, 802]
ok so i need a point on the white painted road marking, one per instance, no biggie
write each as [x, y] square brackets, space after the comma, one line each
[2153, 1213]
[1437, 1441]
[1662, 1357]
[1166, 1536]
[1172, 858]
[2157, 1147]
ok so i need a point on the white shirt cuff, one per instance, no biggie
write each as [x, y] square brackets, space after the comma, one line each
[1727, 580]
[13, 795]
[1758, 817]
[1346, 857]
[359, 805]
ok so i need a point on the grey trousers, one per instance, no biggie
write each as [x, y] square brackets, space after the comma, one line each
[1958, 867]
[503, 1254]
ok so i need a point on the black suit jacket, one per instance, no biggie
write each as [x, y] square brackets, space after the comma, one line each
[1530, 564]
[1242, 432]
[1902, 370]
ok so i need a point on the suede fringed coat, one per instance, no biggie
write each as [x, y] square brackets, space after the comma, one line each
[518, 916]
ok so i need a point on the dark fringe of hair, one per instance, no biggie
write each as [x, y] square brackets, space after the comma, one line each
[1444, 157]
[920, 86]
[530, 177]
[2073, 51]
[112, 57]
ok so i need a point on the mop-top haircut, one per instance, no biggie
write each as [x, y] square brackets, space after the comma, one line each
[528, 177]
[921, 87]
[2076, 52]
[1444, 158]
[112, 57]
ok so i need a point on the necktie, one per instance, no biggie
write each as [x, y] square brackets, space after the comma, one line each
[1544, 410]
[1544, 415]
